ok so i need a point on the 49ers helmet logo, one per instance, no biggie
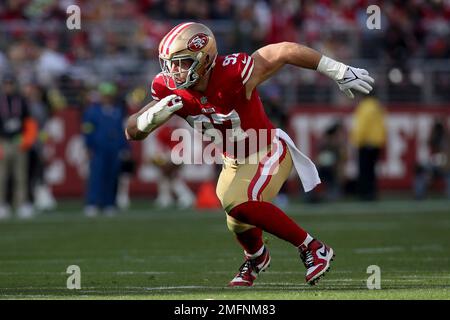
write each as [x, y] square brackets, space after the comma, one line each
[197, 42]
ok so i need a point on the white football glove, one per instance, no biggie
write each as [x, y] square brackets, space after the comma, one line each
[357, 79]
[159, 113]
[348, 78]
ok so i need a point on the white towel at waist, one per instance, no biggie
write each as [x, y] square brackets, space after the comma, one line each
[306, 169]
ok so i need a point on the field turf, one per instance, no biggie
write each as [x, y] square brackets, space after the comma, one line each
[147, 253]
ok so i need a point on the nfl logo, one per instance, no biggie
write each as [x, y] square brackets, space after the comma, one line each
[203, 100]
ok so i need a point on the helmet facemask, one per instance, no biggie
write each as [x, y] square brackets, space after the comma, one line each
[180, 71]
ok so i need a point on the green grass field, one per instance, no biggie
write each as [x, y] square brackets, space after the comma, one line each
[169, 254]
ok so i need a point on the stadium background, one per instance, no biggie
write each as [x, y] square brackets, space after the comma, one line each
[151, 253]
[118, 42]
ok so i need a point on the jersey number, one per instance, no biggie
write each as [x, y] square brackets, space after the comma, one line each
[232, 58]
[237, 133]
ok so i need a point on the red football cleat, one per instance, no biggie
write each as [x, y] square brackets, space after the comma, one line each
[250, 270]
[316, 258]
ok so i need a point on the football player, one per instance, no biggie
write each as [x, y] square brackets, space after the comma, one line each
[220, 92]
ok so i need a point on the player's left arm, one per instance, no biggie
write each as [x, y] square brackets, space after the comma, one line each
[269, 59]
[154, 114]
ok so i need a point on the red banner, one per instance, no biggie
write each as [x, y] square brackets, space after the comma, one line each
[408, 131]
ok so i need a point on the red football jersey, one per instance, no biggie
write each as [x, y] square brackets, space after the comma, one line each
[224, 106]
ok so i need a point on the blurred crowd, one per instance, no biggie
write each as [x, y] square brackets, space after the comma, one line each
[118, 39]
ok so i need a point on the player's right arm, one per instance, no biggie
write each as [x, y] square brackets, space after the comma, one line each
[154, 114]
[269, 59]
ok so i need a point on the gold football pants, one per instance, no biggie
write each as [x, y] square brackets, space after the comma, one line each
[258, 178]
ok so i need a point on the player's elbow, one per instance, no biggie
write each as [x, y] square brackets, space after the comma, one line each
[132, 133]
[131, 130]
[127, 135]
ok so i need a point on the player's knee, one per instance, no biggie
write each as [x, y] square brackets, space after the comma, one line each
[231, 200]
[227, 202]
[236, 226]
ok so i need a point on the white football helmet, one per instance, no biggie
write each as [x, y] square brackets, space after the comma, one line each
[187, 53]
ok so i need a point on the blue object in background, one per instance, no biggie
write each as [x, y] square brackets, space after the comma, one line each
[103, 132]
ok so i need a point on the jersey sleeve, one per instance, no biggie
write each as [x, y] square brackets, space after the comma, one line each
[158, 88]
[238, 68]
[245, 66]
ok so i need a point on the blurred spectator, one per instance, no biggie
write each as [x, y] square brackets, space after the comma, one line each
[3, 63]
[196, 9]
[117, 40]
[438, 164]
[331, 160]
[222, 9]
[127, 163]
[51, 63]
[252, 25]
[105, 141]
[369, 137]
[126, 171]
[281, 23]
[18, 132]
[273, 105]
[170, 184]
[173, 9]
[12, 10]
[22, 55]
[39, 192]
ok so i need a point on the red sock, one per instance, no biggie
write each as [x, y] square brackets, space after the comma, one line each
[268, 217]
[250, 240]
